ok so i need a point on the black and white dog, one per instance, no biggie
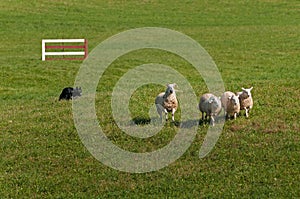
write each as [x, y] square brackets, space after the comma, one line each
[70, 93]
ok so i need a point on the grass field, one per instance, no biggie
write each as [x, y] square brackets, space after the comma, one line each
[253, 43]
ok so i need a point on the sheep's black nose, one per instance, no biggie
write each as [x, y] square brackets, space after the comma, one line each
[171, 91]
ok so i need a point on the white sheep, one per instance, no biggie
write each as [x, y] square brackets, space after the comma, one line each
[211, 105]
[167, 102]
[246, 101]
[230, 103]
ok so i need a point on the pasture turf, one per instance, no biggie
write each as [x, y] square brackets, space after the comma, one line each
[253, 43]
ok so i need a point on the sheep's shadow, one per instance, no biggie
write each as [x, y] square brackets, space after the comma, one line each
[141, 120]
[203, 122]
[218, 119]
[181, 124]
[154, 121]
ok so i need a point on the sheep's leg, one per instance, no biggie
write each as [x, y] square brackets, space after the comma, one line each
[234, 116]
[166, 113]
[173, 112]
[160, 116]
[212, 121]
[202, 116]
[246, 112]
[159, 109]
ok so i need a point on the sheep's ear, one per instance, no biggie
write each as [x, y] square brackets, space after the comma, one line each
[243, 89]
[251, 88]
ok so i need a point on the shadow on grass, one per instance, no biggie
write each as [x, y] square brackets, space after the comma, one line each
[206, 121]
[181, 124]
[141, 120]
[156, 121]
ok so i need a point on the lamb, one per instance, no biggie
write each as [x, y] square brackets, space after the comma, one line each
[246, 101]
[211, 105]
[230, 103]
[69, 93]
[167, 102]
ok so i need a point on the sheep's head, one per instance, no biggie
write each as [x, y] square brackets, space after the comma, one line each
[214, 101]
[234, 100]
[247, 92]
[170, 89]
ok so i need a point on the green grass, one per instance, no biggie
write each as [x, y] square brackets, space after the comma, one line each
[253, 43]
